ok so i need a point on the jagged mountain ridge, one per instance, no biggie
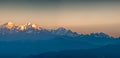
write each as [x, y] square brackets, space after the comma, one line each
[12, 26]
[35, 30]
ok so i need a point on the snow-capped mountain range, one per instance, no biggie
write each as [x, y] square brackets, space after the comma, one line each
[11, 28]
[35, 30]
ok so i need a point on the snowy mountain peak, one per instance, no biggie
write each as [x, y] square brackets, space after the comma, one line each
[28, 23]
[63, 31]
[9, 25]
[32, 26]
[22, 27]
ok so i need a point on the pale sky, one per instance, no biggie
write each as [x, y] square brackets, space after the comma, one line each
[81, 17]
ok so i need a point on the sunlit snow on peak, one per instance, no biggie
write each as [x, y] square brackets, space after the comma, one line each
[10, 25]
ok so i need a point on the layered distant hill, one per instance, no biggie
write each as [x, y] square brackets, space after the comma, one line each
[109, 51]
